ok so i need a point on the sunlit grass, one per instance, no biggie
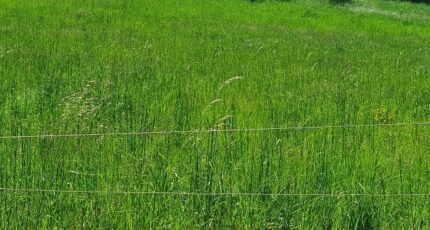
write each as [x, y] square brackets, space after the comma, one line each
[75, 67]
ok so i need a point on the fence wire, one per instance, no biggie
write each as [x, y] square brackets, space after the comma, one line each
[110, 192]
[197, 131]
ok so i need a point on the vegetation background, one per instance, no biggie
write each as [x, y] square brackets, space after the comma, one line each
[106, 66]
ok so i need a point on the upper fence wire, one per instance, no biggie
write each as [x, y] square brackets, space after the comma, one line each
[197, 131]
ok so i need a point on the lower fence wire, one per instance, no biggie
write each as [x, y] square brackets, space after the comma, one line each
[107, 192]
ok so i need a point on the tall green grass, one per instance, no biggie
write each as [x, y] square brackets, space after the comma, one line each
[128, 66]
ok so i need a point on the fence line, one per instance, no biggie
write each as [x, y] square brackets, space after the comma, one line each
[167, 132]
[107, 192]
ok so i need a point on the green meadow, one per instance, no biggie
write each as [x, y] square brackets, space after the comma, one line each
[337, 97]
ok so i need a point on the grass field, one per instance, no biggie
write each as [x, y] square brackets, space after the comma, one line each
[120, 66]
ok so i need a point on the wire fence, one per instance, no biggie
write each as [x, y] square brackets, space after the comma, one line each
[109, 192]
[197, 131]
